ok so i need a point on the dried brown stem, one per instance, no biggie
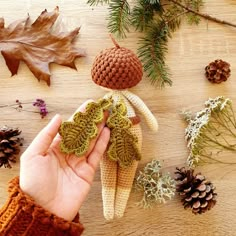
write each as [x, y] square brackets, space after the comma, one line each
[206, 16]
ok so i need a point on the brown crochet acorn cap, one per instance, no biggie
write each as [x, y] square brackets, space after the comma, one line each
[117, 68]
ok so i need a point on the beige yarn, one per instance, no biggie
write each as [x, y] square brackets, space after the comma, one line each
[117, 181]
[142, 108]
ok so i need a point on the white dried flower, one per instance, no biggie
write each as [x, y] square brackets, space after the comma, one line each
[208, 131]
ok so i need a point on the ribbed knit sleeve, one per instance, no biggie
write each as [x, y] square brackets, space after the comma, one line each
[21, 216]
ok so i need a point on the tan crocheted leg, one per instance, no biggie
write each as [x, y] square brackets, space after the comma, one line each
[108, 179]
[125, 178]
[124, 186]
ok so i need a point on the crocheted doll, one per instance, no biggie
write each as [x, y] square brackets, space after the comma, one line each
[118, 69]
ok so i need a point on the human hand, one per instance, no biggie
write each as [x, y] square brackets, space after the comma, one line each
[56, 181]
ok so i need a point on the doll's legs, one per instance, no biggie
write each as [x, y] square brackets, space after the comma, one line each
[125, 178]
[124, 186]
[109, 182]
[117, 182]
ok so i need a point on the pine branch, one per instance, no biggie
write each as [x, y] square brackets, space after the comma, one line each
[154, 47]
[119, 18]
[194, 5]
[152, 54]
[143, 14]
[206, 16]
[96, 2]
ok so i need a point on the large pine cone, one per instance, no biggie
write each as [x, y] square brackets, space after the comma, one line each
[9, 145]
[117, 68]
[196, 192]
[217, 71]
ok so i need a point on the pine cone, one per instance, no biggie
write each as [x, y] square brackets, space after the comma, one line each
[9, 145]
[218, 71]
[197, 193]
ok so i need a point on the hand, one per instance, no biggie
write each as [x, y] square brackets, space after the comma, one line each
[56, 181]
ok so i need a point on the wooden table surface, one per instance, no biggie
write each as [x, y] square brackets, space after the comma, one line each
[190, 50]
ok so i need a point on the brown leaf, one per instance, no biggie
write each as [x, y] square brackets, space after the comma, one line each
[37, 46]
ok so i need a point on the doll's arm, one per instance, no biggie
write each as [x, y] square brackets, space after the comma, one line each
[143, 109]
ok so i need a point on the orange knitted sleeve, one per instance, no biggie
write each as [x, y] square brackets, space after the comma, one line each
[21, 216]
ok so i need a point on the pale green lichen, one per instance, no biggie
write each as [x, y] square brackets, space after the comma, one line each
[155, 186]
[210, 132]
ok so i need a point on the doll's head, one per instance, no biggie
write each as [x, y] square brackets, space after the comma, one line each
[117, 68]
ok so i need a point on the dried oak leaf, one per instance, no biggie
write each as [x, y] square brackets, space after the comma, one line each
[37, 46]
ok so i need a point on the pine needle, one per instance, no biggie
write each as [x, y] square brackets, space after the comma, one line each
[194, 5]
[154, 47]
[143, 13]
[119, 17]
[96, 2]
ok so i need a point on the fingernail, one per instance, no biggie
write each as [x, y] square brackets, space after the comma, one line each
[54, 118]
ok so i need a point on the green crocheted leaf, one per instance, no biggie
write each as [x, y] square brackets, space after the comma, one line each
[123, 147]
[123, 143]
[77, 134]
[118, 117]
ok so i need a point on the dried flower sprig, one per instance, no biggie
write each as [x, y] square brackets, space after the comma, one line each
[156, 187]
[39, 103]
[211, 131]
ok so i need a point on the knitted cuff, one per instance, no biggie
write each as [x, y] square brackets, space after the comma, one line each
[22, 216]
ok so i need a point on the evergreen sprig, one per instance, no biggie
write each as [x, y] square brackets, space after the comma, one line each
[119, 17]
[157, 20]
[96, 2]
[153, 47]
[195, 5]
[152, 53]
[143, 13]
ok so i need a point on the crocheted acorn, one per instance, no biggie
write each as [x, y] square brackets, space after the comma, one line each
[117, 68]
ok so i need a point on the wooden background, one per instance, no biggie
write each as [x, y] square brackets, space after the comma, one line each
[190, 50]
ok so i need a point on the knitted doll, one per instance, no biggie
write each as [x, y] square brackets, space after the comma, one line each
[118, 69]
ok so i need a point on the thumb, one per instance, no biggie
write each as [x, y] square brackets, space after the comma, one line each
[43, 140]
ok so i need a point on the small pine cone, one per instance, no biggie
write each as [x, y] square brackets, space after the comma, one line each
[9, 145]
[197, 193]
[218, 71]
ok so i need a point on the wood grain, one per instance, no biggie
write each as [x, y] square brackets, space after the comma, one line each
[190, 50]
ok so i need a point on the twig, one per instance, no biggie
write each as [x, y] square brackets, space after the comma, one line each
[206, 16]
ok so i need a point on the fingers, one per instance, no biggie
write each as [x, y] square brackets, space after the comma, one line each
[99, 148]
[45, 137]
[86, 170]
[100, 127]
